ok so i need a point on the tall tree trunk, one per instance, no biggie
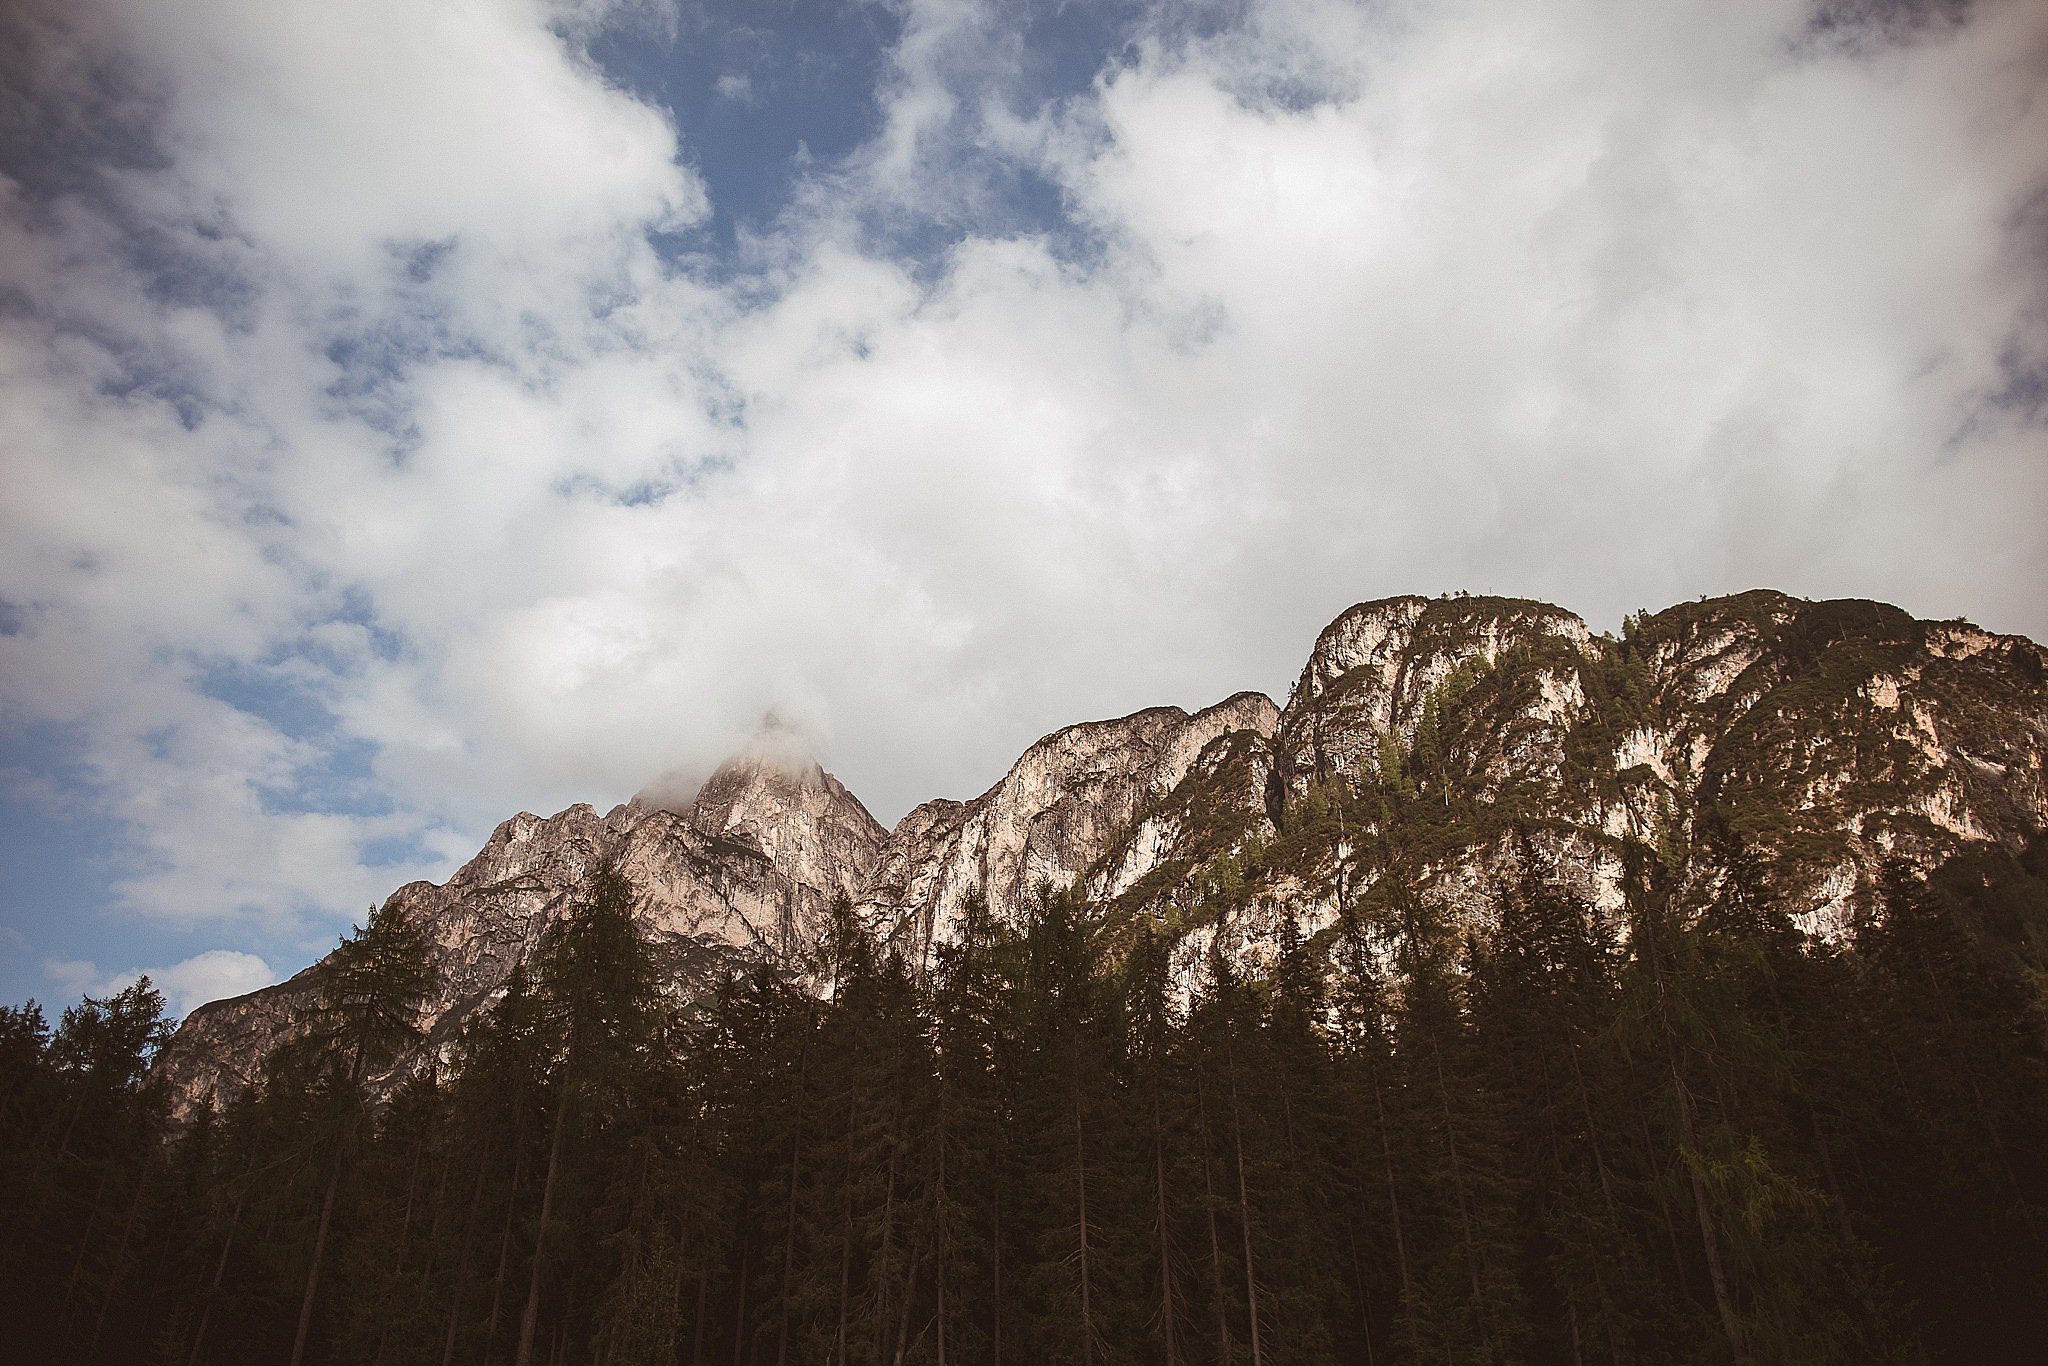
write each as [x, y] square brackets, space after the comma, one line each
[1653, 1160]
[1724, 1300]
[1081, 1190]
[92, 1219]
[1607, 1310]
[888, 1227]
[412, 1182]
[1559, 1185]
[909, 1298]
[1215, 1242]
[1443, 1090]
[675, 1295]
[220, 1271]
[529, 1318]
[433, 1237]
[319, 1254]
[1166, 1308]
[1593, 1137]
[476, 1200]
[740, 1354]
[1411, 1307]
[796, 1157]
[1717, 1274]
[1244, 1212]
[697, 1328]
[120, 1256]
[846, 1235]
[939, 1269]
[998, 1243]
[505, 1243]
[404, 1240]
[881, 1265]
[1359, 1296]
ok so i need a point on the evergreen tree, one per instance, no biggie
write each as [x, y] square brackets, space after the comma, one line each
[1469, 1299]
[372, 989]
[1544, 986]
[597, 992]
[82, 1165]
[1688, 1133]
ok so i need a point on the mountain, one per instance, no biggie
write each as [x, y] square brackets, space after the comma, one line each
[1429, 748]
[1510, 992]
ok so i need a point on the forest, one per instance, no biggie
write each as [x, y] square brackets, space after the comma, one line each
[1664, 1134]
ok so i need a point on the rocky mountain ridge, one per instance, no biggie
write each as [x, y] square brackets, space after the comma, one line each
[1428, 748]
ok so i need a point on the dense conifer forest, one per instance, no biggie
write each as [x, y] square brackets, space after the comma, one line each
[1651, 1137]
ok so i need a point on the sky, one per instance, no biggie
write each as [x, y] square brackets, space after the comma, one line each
[413, 414]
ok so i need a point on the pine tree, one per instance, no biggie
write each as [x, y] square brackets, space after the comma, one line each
[372, 989]
[1470, 1298]
[1544, 988]
[971, 1048]
[1063, 1111]
[1952, 1110]
[83, 1153]
[597, 988]
[1399, 1141]
[1155, 1055]
[1364, 1057]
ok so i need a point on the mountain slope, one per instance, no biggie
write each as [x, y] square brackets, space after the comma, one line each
[1427, 747]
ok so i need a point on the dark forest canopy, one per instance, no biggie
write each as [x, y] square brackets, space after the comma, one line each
[1690, 1137]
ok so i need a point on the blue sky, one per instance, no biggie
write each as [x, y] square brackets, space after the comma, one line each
[411, 415]
[764, 89]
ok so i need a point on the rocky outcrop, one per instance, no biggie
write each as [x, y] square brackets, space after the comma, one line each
[1050, 821]
[751, 870]
[1808, 743]
[1431, 748]
[1375, 670]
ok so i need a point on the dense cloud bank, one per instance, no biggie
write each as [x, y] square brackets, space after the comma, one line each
[390, 442]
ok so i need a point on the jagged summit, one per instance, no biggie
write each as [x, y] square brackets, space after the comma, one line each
[1815, 741]
[799, 817]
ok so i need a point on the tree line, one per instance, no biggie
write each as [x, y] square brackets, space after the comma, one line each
[1673, 1134]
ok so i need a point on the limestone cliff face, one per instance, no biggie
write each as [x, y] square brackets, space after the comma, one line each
[1808, 742]
[813, 832]
[1050, 821]
[1375, 669]
[1431, 747]
[1822, 739]
[752, 869]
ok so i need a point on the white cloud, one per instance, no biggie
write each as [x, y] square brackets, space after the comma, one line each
[1603, 303]
[328, 132]
[208, 976]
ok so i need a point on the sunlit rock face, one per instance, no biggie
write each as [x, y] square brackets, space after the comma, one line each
[1375, 670]
[751, 870]
[1808, 743]
[1056, 814]
[1432, 749]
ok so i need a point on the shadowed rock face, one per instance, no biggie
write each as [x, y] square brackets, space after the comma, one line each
[1810, 742]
